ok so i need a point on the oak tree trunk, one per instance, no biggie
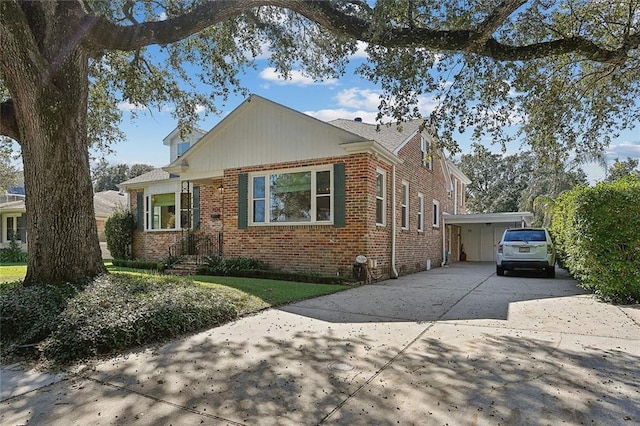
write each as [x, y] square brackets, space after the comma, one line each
[48, 81]
[62, 235]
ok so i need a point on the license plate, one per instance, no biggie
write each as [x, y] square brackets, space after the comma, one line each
[523, 249]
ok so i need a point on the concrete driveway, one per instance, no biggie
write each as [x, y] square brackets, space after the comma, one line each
[454, 345]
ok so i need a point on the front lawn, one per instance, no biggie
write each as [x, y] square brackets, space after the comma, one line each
[65, 324]
[12, 272]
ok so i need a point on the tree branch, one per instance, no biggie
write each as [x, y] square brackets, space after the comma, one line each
[107, 35]
[496, 18]
[8, 122]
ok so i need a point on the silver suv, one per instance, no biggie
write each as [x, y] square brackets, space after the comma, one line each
[526, 248]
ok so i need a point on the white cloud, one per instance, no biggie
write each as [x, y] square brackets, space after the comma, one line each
[361, 52]
[624, 150]
[128, 106]
[163, 16]
[359, 98]
[333, 114]
[363, 103]
[296, 78]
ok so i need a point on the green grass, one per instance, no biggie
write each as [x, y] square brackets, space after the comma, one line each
[247, 294]
[128, 308]
[12, 272]
[255, 294]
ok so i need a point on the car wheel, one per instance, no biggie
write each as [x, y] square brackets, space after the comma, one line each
[551, 272]
[499, 271]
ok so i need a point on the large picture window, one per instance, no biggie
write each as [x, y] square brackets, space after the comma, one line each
[301, 196]
[161, 211]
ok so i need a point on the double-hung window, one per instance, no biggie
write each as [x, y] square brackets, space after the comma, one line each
[405, 206]
[380, 197]
[291, 197]
[436, 213]
[14, 226]
[420, 212]
[425, 149]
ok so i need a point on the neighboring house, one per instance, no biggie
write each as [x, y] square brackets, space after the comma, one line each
[104, 204]
[13, 217]
[275, 184]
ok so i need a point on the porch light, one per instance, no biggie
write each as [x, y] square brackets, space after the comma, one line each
[221, 189]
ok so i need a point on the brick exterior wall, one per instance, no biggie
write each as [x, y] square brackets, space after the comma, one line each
[323, 249]
[415, 248]
[326, 249]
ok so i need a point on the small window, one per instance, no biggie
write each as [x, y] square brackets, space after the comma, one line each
[15, 226]
[425, 148]
[183, 147]
[380, 197]
[405, 205]
[455, 196]
[420, 212]
[436, 213]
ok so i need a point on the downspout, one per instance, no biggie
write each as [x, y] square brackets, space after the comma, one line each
[394, 271]
[444, 241]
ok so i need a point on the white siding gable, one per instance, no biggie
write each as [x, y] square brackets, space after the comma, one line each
[262, 132]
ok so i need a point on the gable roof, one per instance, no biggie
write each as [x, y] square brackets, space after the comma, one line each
[260, 131]
[154, 175]
[104, 203]
[390, 136]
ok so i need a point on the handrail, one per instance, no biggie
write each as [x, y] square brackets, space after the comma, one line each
[196, 246]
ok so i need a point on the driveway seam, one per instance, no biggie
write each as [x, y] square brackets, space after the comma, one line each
[400, 353]
[164, 401]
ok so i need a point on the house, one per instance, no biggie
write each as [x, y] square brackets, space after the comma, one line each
[13, 217]
[272, 183]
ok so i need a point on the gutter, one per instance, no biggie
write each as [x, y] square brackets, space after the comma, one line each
[394, 271]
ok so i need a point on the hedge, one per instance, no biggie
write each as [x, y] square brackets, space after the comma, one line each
[139, 264]
[597, 239]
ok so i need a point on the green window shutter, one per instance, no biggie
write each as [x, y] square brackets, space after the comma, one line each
[196, 207]
[243, 201]
[140, 212]
[339, 196]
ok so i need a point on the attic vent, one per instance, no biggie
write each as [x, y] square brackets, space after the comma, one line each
[358, 119]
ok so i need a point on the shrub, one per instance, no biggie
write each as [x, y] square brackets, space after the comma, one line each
[252, 268]
[119, 311]
[596, 234]
[30, 314]
[13, 253]
[119, 230]
[139, 264]
[225, 265]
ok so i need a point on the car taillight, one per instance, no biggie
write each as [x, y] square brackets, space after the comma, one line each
[499, 248]
[549, 249]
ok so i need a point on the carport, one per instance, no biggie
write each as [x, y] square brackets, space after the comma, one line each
[478, 234]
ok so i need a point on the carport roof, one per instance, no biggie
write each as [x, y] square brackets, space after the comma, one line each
[452, 219]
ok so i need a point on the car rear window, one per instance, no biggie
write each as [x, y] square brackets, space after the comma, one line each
[525, 235]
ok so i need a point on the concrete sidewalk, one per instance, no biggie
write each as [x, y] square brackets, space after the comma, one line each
[454, 345]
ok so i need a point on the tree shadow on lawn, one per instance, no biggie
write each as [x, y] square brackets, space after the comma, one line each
[302, 377]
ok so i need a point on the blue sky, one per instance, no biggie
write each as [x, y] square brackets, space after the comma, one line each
[347, 97]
